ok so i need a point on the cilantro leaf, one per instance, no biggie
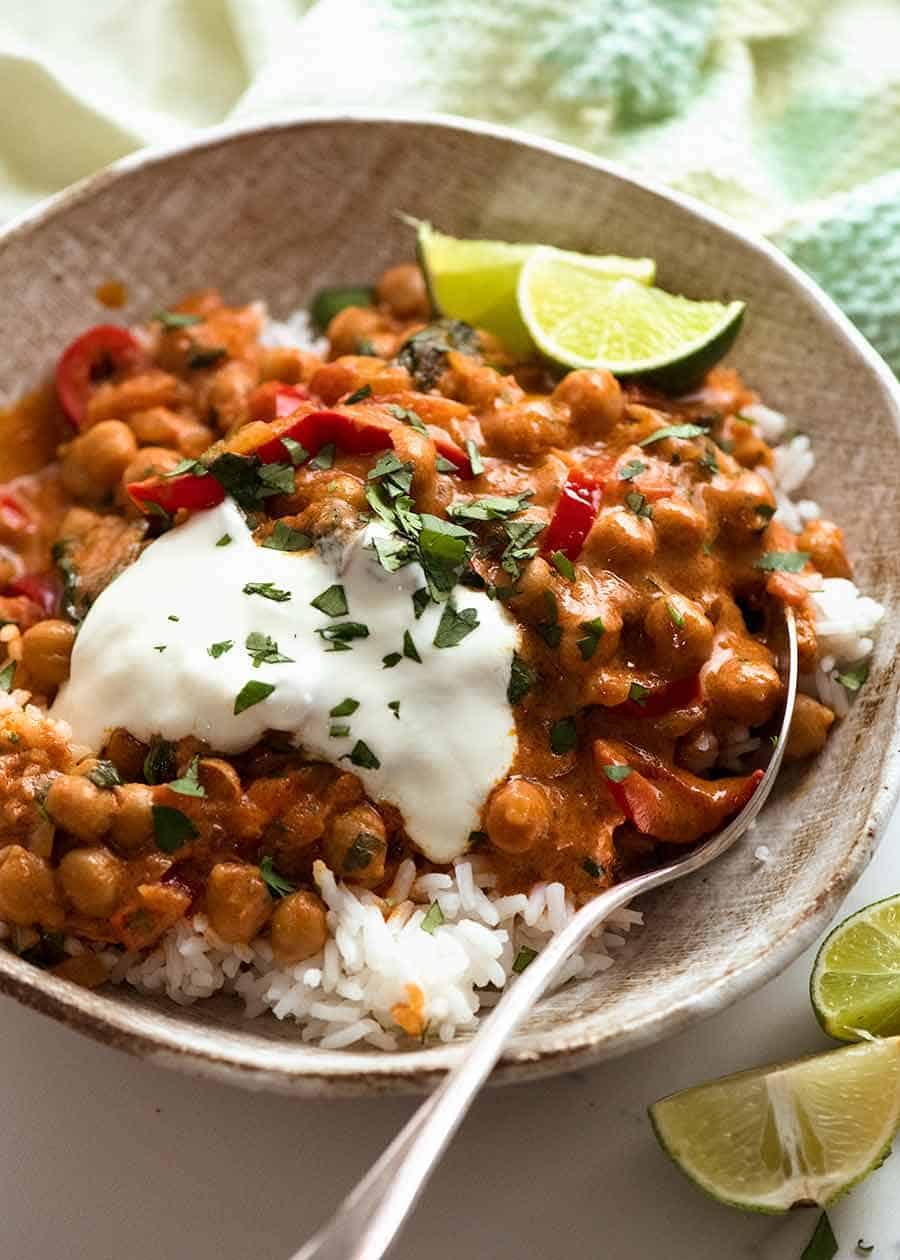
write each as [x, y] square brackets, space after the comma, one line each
[361, 755]
[521, 679]
[268, 591]
[782, 561]
[263, 650]
[632, 469]
[105, 775]
[251, 693]
[276, 883]
[332, 602]
[189, 784]
[171, 828]
[284, 538]
[674, 431]
[524, 958]
[454, 626]
[433, 919]
[563, 736]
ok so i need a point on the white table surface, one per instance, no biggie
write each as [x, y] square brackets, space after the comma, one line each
[106, 1158]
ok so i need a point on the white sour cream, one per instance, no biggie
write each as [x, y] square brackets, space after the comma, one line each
[454, 736]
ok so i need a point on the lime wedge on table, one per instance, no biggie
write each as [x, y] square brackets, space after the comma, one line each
[476, 280]
[802, 1132]
[855, 983]
[582, 317]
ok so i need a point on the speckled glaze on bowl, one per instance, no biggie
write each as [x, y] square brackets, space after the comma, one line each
[279, 211]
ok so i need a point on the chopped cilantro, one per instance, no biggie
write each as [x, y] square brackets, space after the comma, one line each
[185, 466]
[592, 868]
[362, 850]
[638, 693]
[521, 679]
[177, 319]
[782, 561]
[594, 631]
[563, 736]
[159, 647]
[420, 601]
[393, 552]
[342, 633]
[638, 504]
[172, 617]
[276, 883]
[765, 510]
[159, 763]
[394, 706]
[853, 678]
[550, 630]
[171, 828]
[332, 602]
[325, 457]
[263, 650]
[490, 507]
[524, 958]
[407, 417]
[476, 463]
[268, 591]
[7, 673]
[410, 651]
[361, 755]
[454, 625]
[443, 554]
[364, 391]
[433, 919]
[477, 838]
[392, 659]
[296, 453]
[276, 479]
[339, 730]
[345, 708]
[444, 465]
[823, 1244]
[189, 784]
[224, 540]
[206, 356]
[424, 353]
[616, 774]
[563, 565]
[674, 431]
[284, 538]
[676, 616]
[215, 650]
[632, 469]
[250, 694]
[105, 775]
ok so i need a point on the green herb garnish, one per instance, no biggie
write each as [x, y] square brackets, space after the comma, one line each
[632, 469]
[329, 302]
[823, 1244]
[159, 763]
[224, 540]
[268, 591]
[521, 679]
[345, 708]
[296, 453]
[392, 659]
[189, 784]
[638, 693]
[563, 736]
[674, 431]
[284, 538]
[617, 773]
[420, 601]
[177, 319]
[454, 625]
[407, 417]
[215, 650]
[251, 693]
[206, 356]
[433, 919]
[853, 678]
[360, 853]
[325, 457]
[171, 828]
[593, 633]
[361, 755]
[263, 650]
[410, 651]
[339, 730]
[424, 353]
[476, 463]
[638, 504]
[7, 673]
[676, 616]
[592, 868]
[490, 507]
[563, 565]
[276, 883]
[524, 958]
[364, 391]
[332, 602]
[276, 478]
[394, 706]
[782, 561]
[341, 634]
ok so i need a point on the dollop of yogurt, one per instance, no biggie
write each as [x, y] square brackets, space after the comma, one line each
[164, 651]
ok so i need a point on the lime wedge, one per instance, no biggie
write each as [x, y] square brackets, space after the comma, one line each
[855, 985]
[772, 1138]
[476, 280]
[581, 317]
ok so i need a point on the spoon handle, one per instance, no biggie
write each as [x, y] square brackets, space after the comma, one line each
[368, 1220]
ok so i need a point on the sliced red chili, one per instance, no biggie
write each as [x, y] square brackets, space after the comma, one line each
[670, 805]
[41, 588]
[574, 514]
[96, 354]
[172, 493]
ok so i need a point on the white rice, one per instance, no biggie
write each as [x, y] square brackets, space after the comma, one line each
[376, 950]
[378, 956]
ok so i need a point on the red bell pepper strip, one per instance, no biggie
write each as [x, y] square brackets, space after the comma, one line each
[660, 700]
[670, 805]
[274, 399]
[448, 449]
[41, 588]
[95, 354]
[574, 514]
[189, 490]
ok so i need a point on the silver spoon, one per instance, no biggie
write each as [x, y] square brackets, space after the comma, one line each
[367, 1222]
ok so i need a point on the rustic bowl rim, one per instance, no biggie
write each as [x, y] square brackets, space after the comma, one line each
[164, 1039]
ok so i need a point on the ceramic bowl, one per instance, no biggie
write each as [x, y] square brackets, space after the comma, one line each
[277, 212]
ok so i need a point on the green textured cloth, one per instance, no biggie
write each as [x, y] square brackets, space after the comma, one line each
[784, 113]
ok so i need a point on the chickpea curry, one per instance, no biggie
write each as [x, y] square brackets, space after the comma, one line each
[616, 549]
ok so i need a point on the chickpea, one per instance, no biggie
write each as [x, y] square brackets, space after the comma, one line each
[150, 461]
[80, 807]
[114, 399]
[162, 427]
[682, 636]
[299, 927]
[594, 399]
[518, 816]
[619, 538]
[287, 364]
[93, 463]
[403, 290]
[227, 395]
[132, 826]
[93, 880]
[28, 893]
[126, 753]
[524, 430]
[46, 649]
[356, 845]
[350, 372]
[746, 691]
[353, 325]
[477, 384]
[825, 543]
[809, 729]
[737, 502]
[237, 901]
[220, 780]
[678, 524]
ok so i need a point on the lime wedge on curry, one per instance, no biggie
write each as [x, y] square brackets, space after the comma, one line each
[796, 1133]
[476, 280]
[582, 317]
[855, 985]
